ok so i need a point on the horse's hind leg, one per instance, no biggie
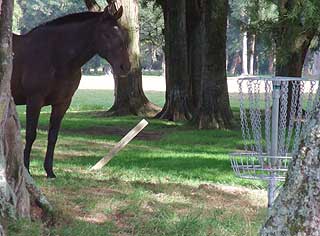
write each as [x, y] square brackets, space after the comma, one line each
[57, 114]
[33, 110]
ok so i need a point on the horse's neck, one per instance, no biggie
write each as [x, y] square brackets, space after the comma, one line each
[76, 45]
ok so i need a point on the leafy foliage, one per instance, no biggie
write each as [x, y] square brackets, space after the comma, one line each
[151, 37]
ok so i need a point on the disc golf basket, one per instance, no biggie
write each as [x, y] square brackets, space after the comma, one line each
[274, 113]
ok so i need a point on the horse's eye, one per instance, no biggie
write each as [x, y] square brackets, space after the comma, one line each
[106, 37]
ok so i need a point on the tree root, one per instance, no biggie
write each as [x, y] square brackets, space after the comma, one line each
[37, 195]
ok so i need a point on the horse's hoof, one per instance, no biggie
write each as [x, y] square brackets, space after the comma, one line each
[51, 176]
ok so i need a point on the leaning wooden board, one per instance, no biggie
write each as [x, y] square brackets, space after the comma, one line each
[120, 145]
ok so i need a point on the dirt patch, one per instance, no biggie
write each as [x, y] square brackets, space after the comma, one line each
[105, 131]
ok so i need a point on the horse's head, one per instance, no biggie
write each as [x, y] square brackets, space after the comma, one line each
[112, 42]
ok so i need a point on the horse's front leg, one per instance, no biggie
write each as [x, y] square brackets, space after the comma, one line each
[57, 114]
[34, 105]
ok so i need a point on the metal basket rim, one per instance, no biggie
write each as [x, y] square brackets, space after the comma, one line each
[258, 155]
[279, 78]
[261, 177]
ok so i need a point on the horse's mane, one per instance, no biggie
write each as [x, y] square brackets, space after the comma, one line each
[68, 19]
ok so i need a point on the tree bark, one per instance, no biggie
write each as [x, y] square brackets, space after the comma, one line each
[129, 95]
[14, 198]
[178, 92]
[214, 108]
[296, 211]
[194, 50]
[17, 188]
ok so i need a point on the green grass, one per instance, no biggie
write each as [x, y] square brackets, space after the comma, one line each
[159, 186]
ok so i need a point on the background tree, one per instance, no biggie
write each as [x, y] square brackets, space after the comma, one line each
[297, 25]
[129, 95]
[213, 110]
[293, 24]
[178, 84]
[195, 69]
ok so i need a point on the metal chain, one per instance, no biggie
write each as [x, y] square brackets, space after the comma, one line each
[243, 118]
[293, 110]
[267, 118]
[299, 118]
[283, 117]
[258, 133]
[255, 113]
[253, 164]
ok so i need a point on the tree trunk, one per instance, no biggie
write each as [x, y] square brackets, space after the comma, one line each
[271, 64]
[13, 193]
[178, 95]
[214, 108]
[17, 188]
[296, 211]
[316, 63]
[129, 95]
[292, 64]
[245, 53]
[252, 53]
[194, 50]
[236, 60]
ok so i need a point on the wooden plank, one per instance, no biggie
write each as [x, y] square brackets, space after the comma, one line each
[120, 145]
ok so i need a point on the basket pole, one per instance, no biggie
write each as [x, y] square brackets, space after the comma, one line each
[274, 139]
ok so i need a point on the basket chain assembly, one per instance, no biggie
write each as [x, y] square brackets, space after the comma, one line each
[274, 114]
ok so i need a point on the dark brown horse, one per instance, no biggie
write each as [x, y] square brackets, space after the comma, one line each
[47, 67]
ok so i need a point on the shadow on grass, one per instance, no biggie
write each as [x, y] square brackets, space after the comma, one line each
[144, 208]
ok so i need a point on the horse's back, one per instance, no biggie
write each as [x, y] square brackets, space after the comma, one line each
[35, 72]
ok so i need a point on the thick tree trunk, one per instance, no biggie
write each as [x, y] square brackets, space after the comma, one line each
[214, 108]
[129, 95]
[178, 93]
[17, 188]
[194, 50]
[296, 211]
[14, 197]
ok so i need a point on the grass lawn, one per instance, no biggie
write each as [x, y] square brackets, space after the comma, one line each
[171, 180]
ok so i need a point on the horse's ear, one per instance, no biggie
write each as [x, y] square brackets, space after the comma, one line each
[118, 13]
[113, 12]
